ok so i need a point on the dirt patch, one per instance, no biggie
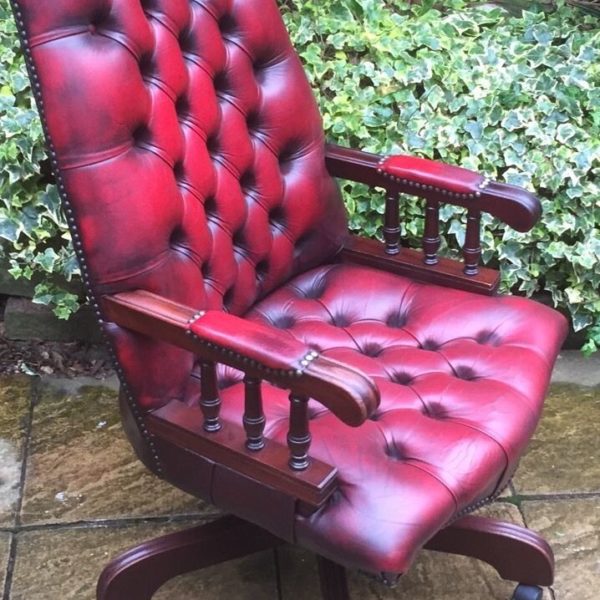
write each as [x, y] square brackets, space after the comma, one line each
[67, 359]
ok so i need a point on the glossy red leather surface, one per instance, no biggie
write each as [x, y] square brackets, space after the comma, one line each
[192, 154]
[462, 379]
[252, 340]
[430, 172]
[187, 176]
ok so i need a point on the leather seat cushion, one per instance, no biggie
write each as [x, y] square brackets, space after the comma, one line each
[462, 380]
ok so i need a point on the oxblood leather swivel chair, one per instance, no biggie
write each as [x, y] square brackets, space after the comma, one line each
[245, 320]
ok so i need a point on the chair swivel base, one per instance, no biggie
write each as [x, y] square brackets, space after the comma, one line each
[516, 553]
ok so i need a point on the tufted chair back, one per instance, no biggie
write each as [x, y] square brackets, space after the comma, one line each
[190, 156]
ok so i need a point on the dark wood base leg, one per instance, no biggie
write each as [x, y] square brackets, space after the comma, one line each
[515, 552]
[138, 573]
[334, 585]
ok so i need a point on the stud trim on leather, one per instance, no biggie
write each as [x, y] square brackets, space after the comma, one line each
[455, 182]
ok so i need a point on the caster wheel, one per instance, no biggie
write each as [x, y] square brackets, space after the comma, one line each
[528, 592]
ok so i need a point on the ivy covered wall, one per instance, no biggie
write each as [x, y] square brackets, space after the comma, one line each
[513, 95]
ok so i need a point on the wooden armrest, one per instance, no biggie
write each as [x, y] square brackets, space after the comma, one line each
[436, 181]
[409, 263]
[219, 337]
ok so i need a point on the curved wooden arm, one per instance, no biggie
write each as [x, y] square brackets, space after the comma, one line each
[436, 181]
[258, 350]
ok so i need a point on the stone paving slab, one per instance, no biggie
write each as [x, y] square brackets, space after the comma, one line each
[572, 527]
[564, 455]
[4, 552]
[433, 576]
[81, 467]
[572, 367]
[65, 563]
[14, 411]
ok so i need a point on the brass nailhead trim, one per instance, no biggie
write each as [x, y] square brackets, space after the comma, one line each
[308, 358]
[77, 243]
[431, 188]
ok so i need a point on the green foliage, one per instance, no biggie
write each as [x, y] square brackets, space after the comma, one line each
[32, 228]
[514, 96]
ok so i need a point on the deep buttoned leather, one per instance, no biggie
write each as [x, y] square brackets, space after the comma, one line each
[462, 379]
[191, 146]
[192, 154]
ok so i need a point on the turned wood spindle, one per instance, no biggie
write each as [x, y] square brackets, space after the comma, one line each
[431, 235]
[254, 418]
[299, 435]
[210, 403]
[472, 247]
[391, 225]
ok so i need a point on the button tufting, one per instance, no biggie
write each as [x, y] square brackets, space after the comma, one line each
[182, 106]
[205, 270]
[239, 238]
[262, 268]
[488, 337]
[283, 321]
[227, 24]
[396, 320]
[176, 238]
[465, 373]
[212, 145]
[371, 349]
[288, 155]
[395, 452]
[430, 345]
[178, 170]
[253, 122]
[402, 378]
[248, 182]
[259, 69]
[228, 298]
[140, 135]
[277, 217]
[221, 82]
[210, 206]
[340, 320]
[146, 64]
[185, 40]
[437, 411]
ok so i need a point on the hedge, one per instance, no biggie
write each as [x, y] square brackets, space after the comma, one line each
[515, 96]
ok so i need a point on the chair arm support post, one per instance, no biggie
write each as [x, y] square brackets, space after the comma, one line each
[298, 438]
[254, 418]
[391, 227]
[210, 403]
[431, 234]
[472, 247]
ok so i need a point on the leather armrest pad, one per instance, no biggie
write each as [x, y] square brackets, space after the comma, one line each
[272, 348]
[432, 173]
[257, 349]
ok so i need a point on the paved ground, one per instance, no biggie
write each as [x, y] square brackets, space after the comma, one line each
[72, 495]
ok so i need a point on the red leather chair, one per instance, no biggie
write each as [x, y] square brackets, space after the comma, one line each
[245, 321]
